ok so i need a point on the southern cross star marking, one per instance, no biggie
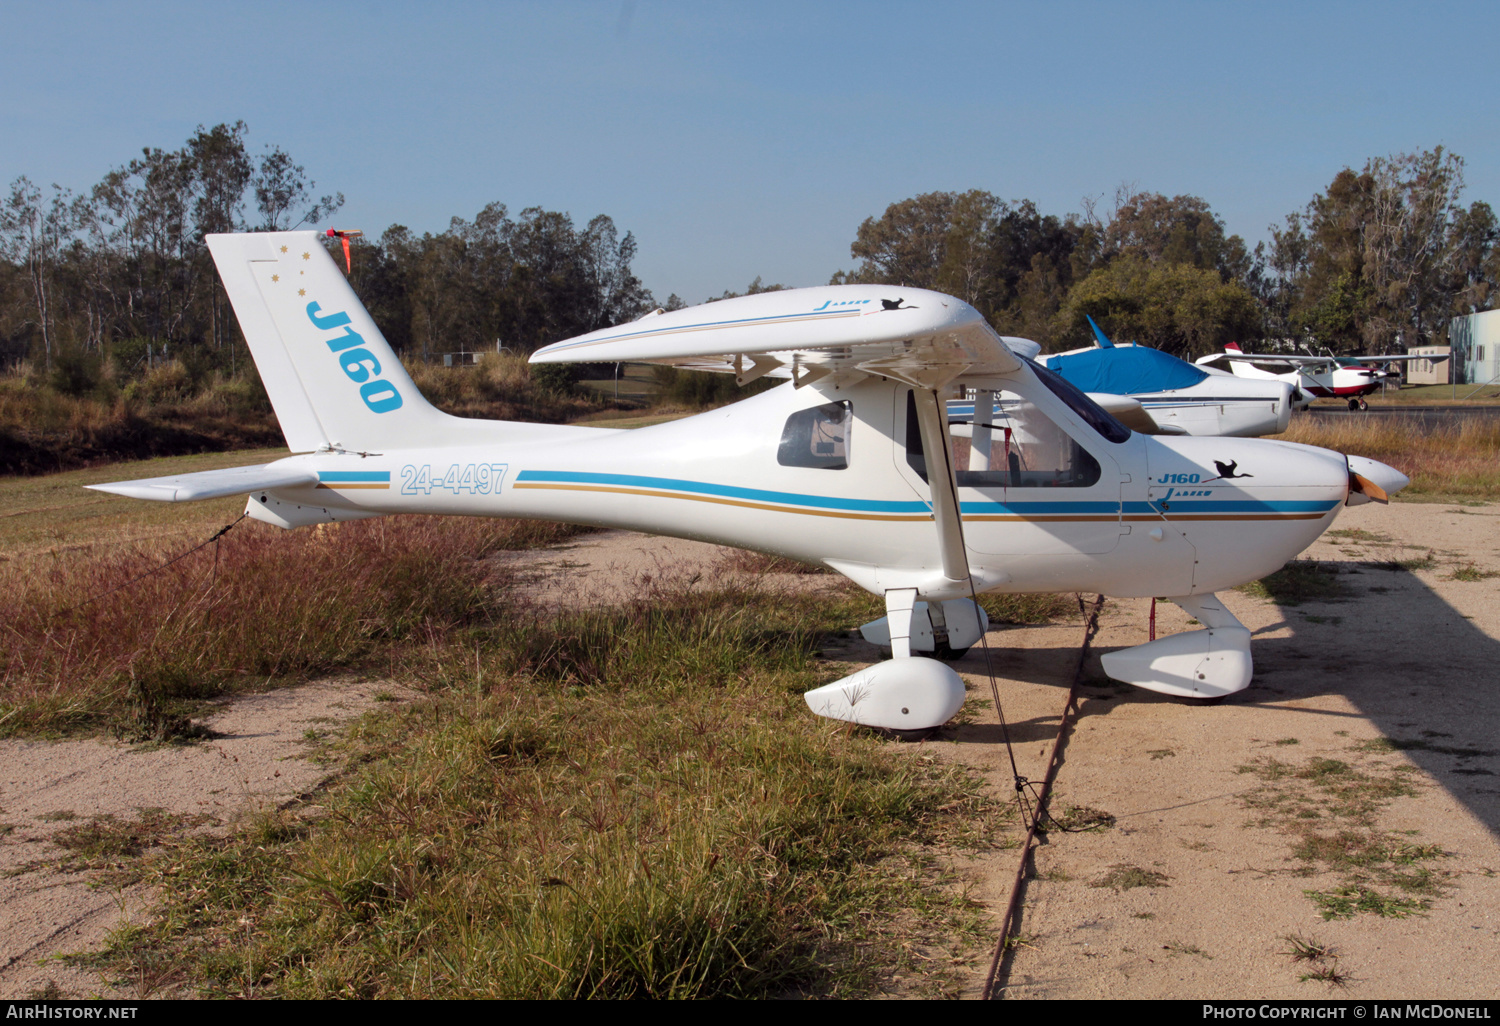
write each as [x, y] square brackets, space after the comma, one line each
[283, 249]
[301, 292]
[306, 256]
[275, 277]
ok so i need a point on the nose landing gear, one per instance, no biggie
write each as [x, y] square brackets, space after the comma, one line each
[1358, 404]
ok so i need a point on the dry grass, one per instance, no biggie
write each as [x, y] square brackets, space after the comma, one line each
[84, 643]
[749, 562]
[163, 413]
[501, 387]
[1462, 460]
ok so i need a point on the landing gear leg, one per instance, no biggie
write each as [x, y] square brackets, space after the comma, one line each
[942, 641]
[899, 606]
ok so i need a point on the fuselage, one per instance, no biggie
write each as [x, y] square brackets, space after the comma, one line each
[1344, 381]
[824, 475]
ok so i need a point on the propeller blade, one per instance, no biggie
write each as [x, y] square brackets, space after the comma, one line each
[1363, 485]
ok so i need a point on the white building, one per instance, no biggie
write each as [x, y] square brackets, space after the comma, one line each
[1428, 372]
[1475, 339]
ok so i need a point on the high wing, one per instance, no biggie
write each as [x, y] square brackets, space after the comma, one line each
[210, 484]
[1315, 361]
[1396, 359]
[1294, 360]
[923, 338]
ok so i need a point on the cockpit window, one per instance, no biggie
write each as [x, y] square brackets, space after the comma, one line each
[1092, 413]
[1006, 443]
[817, 437]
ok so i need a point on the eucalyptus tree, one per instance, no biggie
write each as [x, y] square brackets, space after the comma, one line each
[33, 233]
[1385, 255]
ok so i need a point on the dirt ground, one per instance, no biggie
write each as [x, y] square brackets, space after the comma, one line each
[1207, 887]
[258, 761]
[1407, 655]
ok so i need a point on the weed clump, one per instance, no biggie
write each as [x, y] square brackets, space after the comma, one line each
[1123, 878]
[1328, 808]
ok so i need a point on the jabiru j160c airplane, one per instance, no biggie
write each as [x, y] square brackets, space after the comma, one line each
[851, 464]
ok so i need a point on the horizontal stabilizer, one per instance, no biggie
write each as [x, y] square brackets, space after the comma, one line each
[211, 484]
[912, 335]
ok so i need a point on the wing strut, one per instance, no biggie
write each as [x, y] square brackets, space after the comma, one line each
[932, 419]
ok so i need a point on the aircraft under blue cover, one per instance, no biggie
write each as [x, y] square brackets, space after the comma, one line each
[1180, 397]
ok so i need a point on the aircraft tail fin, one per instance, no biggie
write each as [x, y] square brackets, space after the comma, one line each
[1100, 338]
[1232, 347]
[332, 377]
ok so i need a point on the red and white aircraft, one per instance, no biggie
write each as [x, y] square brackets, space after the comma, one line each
[1316, 377]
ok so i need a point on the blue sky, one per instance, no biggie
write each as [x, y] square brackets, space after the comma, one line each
[738, 140]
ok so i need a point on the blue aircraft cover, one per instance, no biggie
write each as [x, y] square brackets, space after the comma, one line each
[1126, 370]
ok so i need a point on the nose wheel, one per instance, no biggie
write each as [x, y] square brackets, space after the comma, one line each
[1358, 404]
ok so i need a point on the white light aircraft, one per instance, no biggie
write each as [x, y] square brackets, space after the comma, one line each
[850, 465]
[1322, 377]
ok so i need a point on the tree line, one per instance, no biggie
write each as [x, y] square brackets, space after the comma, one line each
[122, 270]
[1380, 259]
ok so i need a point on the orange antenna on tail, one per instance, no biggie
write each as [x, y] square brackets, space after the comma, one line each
[345, 234]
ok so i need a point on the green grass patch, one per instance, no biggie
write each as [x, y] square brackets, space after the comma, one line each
[1029, 609]
[1348, 902]
[1301, 580]
[110, 846]
[1079, 818]
[616, 803]
[1470, 572]
[1424, 561]
[1358, 534]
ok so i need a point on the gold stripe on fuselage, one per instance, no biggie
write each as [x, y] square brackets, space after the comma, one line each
[724, 502]
[1012, 518]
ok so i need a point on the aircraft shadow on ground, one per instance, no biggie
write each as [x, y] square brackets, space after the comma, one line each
[1422, 674]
